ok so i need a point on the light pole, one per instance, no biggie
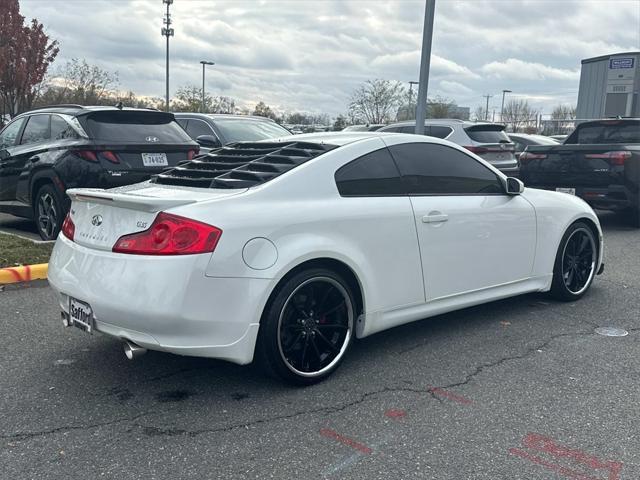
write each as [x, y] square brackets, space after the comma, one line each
[502, 107]
[425, 62]
[204, 63]
[167, 31]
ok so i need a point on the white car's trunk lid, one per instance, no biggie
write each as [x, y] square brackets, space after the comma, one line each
[101, 217]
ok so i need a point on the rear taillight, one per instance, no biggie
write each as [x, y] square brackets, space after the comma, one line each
[170, 235]
[528, 156]
[191, 154]
[88, 155]
[615, 158]
[110, 156]
[68, 228]
[477, 150]
[92, 155]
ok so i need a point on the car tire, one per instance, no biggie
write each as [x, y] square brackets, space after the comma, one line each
[48, 212]
[307, 327]
[634, 217]
[575, 264]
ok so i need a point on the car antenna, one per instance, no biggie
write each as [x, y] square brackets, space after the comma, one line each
[119, 105]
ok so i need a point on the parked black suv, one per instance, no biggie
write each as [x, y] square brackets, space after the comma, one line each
[46, 151]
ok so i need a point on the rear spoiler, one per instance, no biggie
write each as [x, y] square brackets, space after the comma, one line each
[131, 201]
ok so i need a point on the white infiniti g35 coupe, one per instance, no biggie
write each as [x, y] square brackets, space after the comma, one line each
[286, 250]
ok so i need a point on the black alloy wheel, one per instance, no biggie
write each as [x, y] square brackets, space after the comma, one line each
[575, 263]
[48, 212]
[308, 327]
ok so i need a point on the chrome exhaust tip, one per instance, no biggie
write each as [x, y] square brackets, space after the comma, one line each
[133, 351]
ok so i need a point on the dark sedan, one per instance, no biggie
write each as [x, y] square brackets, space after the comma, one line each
[215, 130]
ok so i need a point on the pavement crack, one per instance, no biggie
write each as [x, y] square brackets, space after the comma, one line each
[530, 351]
[67, 428]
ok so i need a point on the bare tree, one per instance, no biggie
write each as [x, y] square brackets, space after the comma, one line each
[375, 101]
[479, 114]
[82, 83]
[562, 119]
[264, 110]
[440, 107]
[222, 104]
[518, 113]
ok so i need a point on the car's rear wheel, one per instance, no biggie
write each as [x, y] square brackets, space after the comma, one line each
[575, 264]
[48, 212]
[307, 327]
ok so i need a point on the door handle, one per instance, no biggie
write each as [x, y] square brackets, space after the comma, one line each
[35, 158]
[435, 218]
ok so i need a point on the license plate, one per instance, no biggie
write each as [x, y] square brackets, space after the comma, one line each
[570, 191]
[81, 315]
[155, 159]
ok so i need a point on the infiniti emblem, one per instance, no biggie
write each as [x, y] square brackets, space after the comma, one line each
[152, 139]
[96, 221]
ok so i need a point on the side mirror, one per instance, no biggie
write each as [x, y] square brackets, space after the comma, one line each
[4, 154]
[209, 141]
[514, 186]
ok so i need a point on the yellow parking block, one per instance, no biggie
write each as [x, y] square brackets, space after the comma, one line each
[24, 273]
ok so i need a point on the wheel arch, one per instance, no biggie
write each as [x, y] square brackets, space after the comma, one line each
[41, 178]
[333, 264]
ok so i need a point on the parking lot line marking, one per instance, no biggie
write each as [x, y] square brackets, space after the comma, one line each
[395, 414]
[545, 445]
[329, 433]
[441, 392]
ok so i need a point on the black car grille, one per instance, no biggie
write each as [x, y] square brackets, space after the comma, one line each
[241, 164]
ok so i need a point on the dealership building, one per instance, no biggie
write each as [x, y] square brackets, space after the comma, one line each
[609, 86]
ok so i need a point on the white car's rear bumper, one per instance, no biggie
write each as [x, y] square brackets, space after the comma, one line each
[162, 303]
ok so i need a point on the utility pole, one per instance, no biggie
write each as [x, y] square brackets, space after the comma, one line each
[502, 108]
[204, 63]
[167, 31]
[425, 61]
[486, 110]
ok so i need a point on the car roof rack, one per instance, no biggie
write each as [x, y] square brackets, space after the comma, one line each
[61, 105]
[242, 164]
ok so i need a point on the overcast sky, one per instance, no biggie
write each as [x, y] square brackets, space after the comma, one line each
[309, 55]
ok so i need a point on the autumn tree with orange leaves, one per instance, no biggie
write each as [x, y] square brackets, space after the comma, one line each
[25, 55]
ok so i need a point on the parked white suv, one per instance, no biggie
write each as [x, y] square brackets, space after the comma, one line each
[487, 140]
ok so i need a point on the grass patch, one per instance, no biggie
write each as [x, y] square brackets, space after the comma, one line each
[18, 251]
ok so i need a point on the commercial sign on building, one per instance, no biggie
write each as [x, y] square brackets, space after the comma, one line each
[621, 62]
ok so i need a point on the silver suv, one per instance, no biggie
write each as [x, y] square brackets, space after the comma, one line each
[487, 140]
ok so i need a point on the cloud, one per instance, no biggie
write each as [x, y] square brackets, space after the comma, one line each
[515, 69]
[311, 55]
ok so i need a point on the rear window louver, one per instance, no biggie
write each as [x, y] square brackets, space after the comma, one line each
[241, 164]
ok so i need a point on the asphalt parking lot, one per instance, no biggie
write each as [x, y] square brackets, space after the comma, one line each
[18, 226]
[517, 389]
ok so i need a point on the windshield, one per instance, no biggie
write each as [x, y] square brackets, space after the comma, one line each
[135, 127]
[247, 130]
[609, 132]
[487, 134]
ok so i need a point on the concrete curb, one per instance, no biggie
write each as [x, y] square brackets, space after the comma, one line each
[24, 273]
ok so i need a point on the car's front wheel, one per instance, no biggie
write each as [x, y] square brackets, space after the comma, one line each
[575, 264]
[48, 212]
[307, 327]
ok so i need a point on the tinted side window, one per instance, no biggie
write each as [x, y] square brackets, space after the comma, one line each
[195, 128]
[439, 131]
[60, 129]
[393, 130]
[429, 169]
[373, 174]
[10, 133]
[37, 129]
[182, 122]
